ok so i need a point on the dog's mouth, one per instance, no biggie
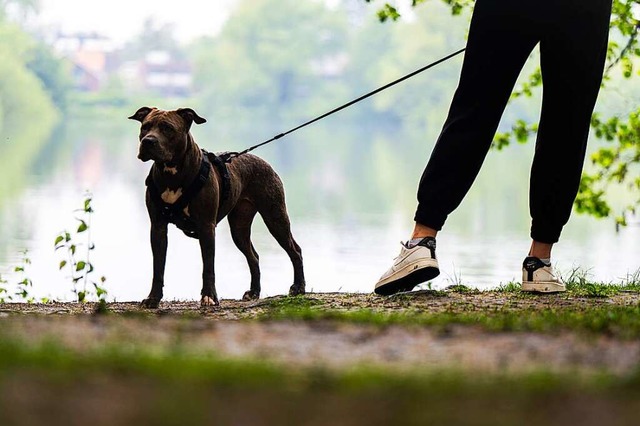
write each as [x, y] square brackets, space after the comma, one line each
[145, 154]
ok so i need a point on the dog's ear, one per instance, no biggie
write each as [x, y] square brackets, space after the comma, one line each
[141, 114]
[190, 115]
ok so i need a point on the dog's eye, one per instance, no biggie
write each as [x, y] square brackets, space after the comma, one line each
[145, 127]
[164, 127]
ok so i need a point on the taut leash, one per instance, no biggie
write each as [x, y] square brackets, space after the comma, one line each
[227, 157]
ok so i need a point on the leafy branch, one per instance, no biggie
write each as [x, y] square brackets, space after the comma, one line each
[22, 286]
[24, 282]
[4, 293]
[80, 268]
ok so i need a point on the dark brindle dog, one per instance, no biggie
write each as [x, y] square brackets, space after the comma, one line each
[184, 188]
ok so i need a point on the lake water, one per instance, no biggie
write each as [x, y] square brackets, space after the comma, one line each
[348, 213]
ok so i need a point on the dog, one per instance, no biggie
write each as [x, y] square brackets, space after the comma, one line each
[195, 190]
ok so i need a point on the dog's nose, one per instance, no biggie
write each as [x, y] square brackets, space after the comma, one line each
[149, 140]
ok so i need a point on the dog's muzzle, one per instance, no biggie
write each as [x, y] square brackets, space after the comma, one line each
[149, 148]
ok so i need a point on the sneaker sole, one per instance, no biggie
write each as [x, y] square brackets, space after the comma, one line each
[407, 278]
[543, 287]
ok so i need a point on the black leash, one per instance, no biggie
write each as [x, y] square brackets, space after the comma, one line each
[231, 155]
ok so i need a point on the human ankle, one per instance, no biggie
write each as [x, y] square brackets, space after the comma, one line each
[540, 250]
[421, 231]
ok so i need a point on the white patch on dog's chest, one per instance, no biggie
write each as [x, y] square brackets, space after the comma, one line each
[172, 170]
[169, 196]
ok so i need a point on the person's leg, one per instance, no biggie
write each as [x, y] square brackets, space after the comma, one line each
[572, 57]
[501, 37]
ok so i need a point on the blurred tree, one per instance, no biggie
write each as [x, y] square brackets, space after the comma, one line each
[269, 58]
[20, 8]
[617, 163]
[27, 113]
[53, 72]
[153, 36]
[34, 55]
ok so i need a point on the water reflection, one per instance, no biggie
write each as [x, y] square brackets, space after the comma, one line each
[349, 209]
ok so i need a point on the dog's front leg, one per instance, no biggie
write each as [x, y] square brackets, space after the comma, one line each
[159, 250]
[208, 249]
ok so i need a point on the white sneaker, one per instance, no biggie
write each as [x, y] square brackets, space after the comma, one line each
[412, 267]
[539, 277]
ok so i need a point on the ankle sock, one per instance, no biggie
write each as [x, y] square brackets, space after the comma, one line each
[413, 242]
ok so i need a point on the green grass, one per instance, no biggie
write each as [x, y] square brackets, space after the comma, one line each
[462, 289]
[62, 364]
[620, 321]
[579, 284]
[179, 387]
[510, 287]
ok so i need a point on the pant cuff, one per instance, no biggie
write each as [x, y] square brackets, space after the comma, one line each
[545, 234]
[429, 219]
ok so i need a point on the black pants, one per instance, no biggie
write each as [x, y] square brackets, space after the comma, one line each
[573, 38]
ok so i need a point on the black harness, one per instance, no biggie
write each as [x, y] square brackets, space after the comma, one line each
[174, 213]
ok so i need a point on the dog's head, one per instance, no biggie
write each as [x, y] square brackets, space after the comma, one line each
[164, 135]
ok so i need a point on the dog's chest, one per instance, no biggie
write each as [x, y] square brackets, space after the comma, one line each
[169, 196]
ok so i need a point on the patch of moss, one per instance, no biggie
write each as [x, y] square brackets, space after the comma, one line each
[620, 321]
[462, 288]
[510, 287]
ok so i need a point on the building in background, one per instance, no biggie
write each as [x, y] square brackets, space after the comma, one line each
[96, 63]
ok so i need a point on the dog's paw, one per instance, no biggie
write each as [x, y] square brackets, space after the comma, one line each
[251, 295]
[296, 290]
[208, 301]
[150, 303]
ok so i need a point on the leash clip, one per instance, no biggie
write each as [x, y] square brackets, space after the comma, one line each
[228, 156]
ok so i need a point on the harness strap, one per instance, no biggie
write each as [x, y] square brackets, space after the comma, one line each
[174, 213]
[220, 162]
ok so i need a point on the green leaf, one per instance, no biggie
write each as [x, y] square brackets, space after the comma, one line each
[83, 226]
[81, 296]
[72, 249]
[80, 265]
[59, 239]
[62, 264]
[388, 12]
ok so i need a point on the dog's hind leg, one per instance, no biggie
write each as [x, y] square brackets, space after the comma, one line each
[240, 220]
[277, 221]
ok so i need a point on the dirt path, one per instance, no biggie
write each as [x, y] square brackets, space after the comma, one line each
[231, 331]
[425, 301]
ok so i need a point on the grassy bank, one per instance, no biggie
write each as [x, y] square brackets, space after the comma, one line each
[51, 384]
[458, 356]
